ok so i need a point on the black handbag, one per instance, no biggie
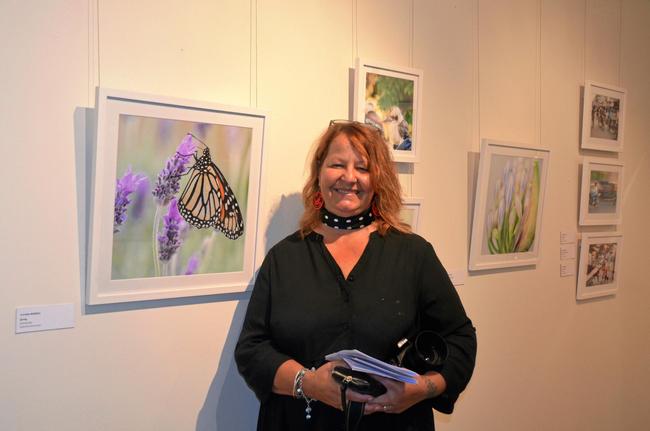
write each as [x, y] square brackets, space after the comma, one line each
[359, 382]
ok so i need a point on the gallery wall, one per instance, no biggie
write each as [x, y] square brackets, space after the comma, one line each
[504, 69]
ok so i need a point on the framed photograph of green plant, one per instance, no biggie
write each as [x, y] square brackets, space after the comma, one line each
[175, 201]
[601, 256]
[390, 98]
[508, 206]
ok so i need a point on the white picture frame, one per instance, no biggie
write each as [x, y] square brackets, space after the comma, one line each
[140, 135]
[603, 117]
[601, 259]
[390, 97]
[410, 213]
[601, 187]
[506, 233]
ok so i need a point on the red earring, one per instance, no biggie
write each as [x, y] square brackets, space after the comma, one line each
[374, 209]
[318, 200]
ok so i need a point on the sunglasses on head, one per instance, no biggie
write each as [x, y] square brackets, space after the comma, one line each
[367, 123]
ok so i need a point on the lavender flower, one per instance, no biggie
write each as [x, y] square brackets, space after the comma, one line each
[124, 187]
[141, 192]
[170, 241]
[169, 179]
[192, 265]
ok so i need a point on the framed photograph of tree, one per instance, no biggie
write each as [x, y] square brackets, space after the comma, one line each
[175, 201]
[508, 206]
[390, 98]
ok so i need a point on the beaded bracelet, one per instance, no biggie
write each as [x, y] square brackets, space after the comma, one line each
[299, 393]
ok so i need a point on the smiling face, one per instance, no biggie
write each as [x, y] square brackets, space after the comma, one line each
[344, 179]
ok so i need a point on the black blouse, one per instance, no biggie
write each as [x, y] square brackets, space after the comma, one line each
[303, 308]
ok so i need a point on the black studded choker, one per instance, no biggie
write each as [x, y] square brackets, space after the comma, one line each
[363, 219]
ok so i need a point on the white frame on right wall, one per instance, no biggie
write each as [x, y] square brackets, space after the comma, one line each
[601, 187]
[603, 117]
[601, 258]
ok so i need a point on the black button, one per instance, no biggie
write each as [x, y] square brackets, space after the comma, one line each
[351, 278]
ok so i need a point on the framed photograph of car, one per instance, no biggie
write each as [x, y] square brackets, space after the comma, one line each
[508, 205]
[603, 117]
[175, 200]
[390, 97]
[601, 187]
[601, 257]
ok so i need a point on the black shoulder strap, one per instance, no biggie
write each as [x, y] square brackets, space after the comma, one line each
[352, 410]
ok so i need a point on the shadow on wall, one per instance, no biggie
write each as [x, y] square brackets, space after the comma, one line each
[229, 404]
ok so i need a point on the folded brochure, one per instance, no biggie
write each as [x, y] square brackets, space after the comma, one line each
[359, 361]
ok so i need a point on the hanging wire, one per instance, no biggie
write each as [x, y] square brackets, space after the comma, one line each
[584, 46]
[355, 30]
[253, 55]
[412, 33]
[539, 74]
[620, 40]
[477, 71]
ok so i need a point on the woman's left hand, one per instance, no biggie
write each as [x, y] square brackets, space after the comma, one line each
[400, 396]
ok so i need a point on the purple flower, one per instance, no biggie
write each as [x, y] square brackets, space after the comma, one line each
[170, 241]
[141, 192]
[169, 179]
[124, 187]
[192, 265]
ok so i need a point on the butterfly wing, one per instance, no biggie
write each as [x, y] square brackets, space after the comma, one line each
[208, 200]
[229, 219]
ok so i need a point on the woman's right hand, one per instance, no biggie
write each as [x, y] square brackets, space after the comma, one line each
[320, 385]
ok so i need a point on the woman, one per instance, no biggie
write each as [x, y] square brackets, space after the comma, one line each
[353, 276]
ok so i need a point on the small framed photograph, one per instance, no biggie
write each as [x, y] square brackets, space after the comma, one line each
[507, 222]
[600, 264]
[410, 213]
[603, 117]
[600, 191]
[389, 98]
[175, 201]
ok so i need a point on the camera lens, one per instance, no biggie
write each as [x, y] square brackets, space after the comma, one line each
[430, 348]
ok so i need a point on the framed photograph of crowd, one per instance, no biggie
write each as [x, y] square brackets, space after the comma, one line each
[410, 213]
[603, 117]
[508, 206]
[389, 98]
[175, 200]
[600, 264]
[600, 191]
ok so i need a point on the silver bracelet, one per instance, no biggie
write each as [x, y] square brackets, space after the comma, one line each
[299, 393]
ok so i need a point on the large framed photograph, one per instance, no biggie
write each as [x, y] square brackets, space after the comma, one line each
[603, 117]
[506, 227]
[600, 264]
[176, 195]
[410, 212]
[389, 98]
[600, 192]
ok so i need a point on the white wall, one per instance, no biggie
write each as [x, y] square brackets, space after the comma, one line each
[505, 69]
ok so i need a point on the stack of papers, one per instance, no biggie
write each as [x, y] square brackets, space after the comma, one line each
[359, 361]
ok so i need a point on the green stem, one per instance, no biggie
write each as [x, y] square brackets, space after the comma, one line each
[156, 225]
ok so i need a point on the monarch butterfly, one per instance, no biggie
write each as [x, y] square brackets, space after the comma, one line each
[207, 199]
